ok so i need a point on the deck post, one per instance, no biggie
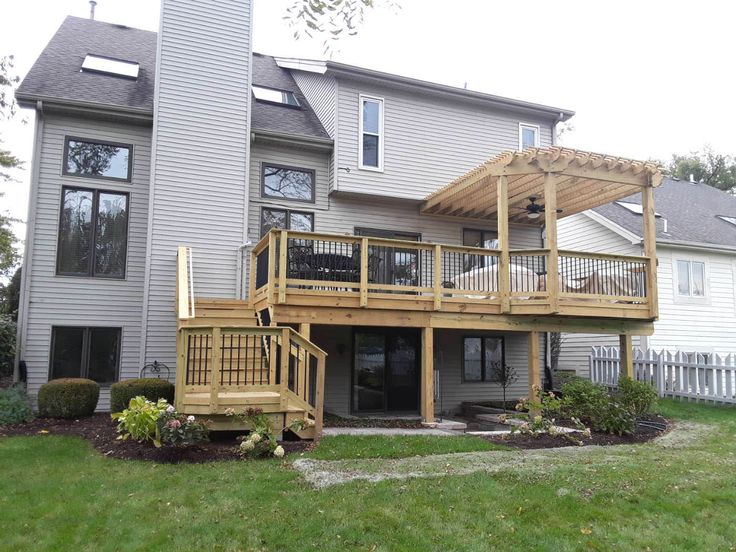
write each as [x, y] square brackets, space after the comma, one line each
[550, 228]
[319, 396]
[285, 354]
[650, 248]
[181, 368]
[216, 366]
[427, 395]
[283, 247]
[364, 272]
[252, 267]
[535, 379]
[437, 277]
[504, 277]
[271, 267]
[627, 358]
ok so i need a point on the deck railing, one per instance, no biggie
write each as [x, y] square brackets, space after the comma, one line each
[217, 364]
[306, 263]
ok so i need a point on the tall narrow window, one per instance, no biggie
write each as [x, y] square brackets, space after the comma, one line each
[85, 352]
[93, 233]
[97, 159]
[690, 278]
[528, 136]
[371, 133]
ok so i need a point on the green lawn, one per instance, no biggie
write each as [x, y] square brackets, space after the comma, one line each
[57, 493]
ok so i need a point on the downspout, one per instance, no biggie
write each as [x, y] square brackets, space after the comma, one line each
[558, 120]
[26, 266]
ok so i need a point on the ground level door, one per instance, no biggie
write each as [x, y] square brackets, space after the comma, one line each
[386, 371]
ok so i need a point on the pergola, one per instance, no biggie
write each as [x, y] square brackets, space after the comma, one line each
[581, 180]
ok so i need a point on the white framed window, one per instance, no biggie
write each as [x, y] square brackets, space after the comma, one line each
[691, 278]
[528, 136]
[110, 66]
[370, 133]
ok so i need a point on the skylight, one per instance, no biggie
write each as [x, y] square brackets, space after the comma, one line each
[634, 208]
[271, 95]
[732, 220]
[109, 66]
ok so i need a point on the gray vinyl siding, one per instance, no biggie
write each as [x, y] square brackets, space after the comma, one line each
[76, 301]
[581, 233]
[429, 141]
[448, 345]
[201, 140]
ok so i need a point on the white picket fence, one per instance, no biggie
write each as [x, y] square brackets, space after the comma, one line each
[673, 374]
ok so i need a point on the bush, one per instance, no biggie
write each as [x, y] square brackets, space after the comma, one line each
[68, 398]
[7, 344]
[177, 430]
[637, 396]
[139, 419]
[614, 418]
[151, 388]
[14, 406]
[584, 399]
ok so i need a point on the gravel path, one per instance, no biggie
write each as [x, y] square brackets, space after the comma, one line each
[324, 473]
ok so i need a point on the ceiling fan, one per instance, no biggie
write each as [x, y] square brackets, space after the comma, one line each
[534, 209]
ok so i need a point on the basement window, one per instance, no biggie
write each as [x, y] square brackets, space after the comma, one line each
[110, 66]
[274, 96]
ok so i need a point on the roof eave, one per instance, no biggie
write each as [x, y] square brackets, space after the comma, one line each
[697, 245]
[299, 140]
[49, 102]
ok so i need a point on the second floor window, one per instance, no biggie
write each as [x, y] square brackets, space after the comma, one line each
[286, 219]
[528, 136]
[370, 150]
[288, 183]
[690, 278]
[97, 159]
[93, 233]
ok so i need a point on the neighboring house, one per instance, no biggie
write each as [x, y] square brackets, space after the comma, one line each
[414, 279]
[696, 273]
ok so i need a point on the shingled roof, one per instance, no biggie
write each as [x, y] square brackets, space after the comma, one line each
[691, 211]
[56, 77]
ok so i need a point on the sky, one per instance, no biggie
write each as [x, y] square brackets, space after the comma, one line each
[647, 79]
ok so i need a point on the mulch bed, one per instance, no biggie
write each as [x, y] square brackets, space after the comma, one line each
[642, 434]
[100, 431]
[393, 423]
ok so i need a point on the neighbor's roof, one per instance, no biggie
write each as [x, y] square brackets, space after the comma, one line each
[583, 180]
[691, 210]
[56, 77]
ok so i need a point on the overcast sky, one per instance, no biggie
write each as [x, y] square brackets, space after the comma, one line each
[646, 78]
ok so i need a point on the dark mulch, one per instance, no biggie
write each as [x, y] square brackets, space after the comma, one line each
[332, 420]
[641, 435]
[100, 431]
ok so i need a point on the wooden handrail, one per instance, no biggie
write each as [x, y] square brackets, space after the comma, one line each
[603, 256]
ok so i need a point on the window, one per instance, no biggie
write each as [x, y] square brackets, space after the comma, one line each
[286, 219]
[288, 183]
[635, 208]
[272, 95]
[78, 352]
[93, 233]
[528, 136]
[97, 159]
[478, 238]
[110, 66]
[481, 356]
[691, 278]
[370, 152]
[731, 220]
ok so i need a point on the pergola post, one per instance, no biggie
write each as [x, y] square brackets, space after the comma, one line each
[550, 228]
[650, 248]
[427, 394]
[504, 282]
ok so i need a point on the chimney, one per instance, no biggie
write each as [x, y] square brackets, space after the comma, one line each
[92, 5]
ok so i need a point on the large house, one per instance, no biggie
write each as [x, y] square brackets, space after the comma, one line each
[296, 234]
[696, 273]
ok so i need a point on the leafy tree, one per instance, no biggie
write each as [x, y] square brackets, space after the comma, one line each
[330, 18]
[8, 252]
[10, 296]
[711, 168]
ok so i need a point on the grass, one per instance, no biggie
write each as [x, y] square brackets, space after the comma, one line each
[57, 493]
[340, 447]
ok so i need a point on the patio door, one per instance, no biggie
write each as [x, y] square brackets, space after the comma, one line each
[385, 371]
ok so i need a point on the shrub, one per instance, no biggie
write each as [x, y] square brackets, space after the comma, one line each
[68, 398]
[614, 418]
[637, 396]
[7, 344]
[176, 430]
[14, 406]
[139, 420]
[261, 440]
[151, 388]
[584, 399]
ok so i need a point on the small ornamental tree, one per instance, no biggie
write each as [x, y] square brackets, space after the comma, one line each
[505, 376]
